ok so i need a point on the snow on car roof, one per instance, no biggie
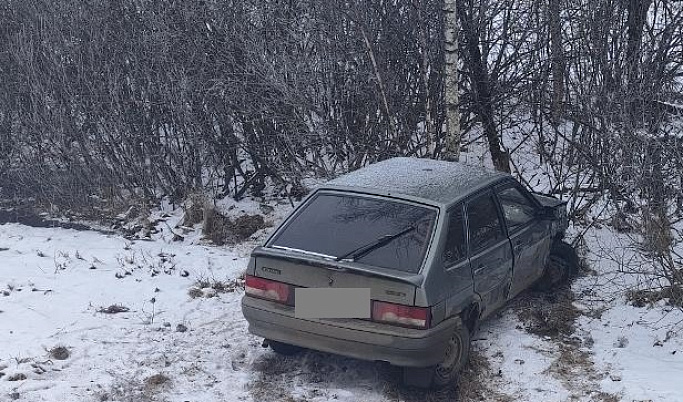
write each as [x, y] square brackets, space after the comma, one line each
[437, 181]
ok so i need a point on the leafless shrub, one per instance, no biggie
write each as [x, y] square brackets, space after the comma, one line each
[658, 243]
[221, 229]
[196, 207]
[215, 226]
[114, 309]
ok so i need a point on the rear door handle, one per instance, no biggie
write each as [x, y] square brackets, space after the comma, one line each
[480, 269]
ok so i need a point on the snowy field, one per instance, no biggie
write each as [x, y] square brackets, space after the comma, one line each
[87, 316]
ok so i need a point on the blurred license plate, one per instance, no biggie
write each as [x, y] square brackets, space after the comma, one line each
[332, 303]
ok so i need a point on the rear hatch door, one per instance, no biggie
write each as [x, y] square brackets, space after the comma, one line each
[340, 239]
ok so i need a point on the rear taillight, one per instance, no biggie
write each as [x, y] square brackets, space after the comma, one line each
[267, 289]
[397, 314]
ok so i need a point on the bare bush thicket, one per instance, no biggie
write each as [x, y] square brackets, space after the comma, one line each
[144, 98]
[102, 101]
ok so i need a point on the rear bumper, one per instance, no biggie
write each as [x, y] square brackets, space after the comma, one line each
[359, 339]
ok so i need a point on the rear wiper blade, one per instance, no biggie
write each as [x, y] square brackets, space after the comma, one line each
[374, 245]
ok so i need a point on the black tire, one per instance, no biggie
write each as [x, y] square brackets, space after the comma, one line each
[447, 372]
[562, 265]
[284, 349]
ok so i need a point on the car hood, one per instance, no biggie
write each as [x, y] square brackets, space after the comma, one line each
[549, 201]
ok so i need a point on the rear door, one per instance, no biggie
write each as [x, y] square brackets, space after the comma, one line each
[529, 236]
[490, 252]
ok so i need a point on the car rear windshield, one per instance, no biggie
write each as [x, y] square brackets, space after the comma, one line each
[373, 231]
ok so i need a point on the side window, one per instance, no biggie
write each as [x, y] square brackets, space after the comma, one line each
[517, 209]
[456, 243]
[484, 223]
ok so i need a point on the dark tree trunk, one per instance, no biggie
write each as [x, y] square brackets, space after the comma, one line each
[481, 86]
[637, 12]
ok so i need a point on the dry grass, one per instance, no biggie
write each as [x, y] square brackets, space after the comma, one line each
[59, 353]
[549, 314]
[135, 390]
[195, 292]
[17, 377]
[475, 382]
[575, 369]
[221, 229]
[205, 287]
[156, 380]
[605, 397]
[113, 309]
[673, 296]
[220, 286]
[553, 315]
[275, 378]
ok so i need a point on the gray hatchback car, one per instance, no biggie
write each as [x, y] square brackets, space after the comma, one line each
[400, 260]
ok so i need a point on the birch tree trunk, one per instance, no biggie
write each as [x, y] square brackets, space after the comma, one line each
[557, 60]
[452, 151]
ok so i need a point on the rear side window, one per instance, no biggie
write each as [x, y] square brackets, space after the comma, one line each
[456, 242]
[336, 225]
[484, 223]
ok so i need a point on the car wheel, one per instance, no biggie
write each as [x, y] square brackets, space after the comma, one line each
[456, 356]
[284, 349]
[563, 263]
[445, 373]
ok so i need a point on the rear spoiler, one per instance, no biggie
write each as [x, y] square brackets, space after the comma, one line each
[293, 256]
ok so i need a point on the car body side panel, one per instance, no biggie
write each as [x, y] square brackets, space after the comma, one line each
[448, 288]
[459, 279]
[530, 245]
[442, 282]
[492, 272]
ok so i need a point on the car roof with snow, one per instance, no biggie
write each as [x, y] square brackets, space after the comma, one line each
[434, 181]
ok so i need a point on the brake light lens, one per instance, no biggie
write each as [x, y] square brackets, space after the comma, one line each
[267, 289]
[397, 314]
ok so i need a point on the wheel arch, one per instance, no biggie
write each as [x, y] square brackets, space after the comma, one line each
[471, 315]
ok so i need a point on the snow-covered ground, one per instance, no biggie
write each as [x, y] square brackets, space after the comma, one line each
[86, 316]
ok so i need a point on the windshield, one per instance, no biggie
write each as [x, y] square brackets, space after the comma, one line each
[340, 225]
